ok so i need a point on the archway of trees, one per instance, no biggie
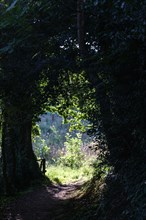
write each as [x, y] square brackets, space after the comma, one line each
[70, 56]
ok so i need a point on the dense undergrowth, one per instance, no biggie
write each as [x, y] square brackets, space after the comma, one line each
[116, 196]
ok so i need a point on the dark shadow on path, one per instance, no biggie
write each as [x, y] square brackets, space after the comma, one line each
[46, 203]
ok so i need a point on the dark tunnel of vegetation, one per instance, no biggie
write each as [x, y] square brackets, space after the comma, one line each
[84, 60]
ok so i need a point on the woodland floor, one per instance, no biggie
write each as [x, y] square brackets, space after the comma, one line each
[45, 203]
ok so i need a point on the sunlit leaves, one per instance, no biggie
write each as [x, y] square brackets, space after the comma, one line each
[74, 156]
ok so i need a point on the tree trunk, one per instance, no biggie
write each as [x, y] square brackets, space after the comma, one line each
[19, 163]
[80, 27]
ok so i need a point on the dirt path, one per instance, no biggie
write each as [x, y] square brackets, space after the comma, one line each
[46, 203]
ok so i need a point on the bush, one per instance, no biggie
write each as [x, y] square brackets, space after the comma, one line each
[73, 157]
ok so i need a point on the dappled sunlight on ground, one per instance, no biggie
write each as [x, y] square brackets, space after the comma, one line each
[46, 203]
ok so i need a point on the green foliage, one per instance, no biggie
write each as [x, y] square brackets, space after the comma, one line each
[74, 164]
[67, 175]
[53, 130]
[41, 150]
[101, 169]
[76, 101]
[73, 157]
[35, 131]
